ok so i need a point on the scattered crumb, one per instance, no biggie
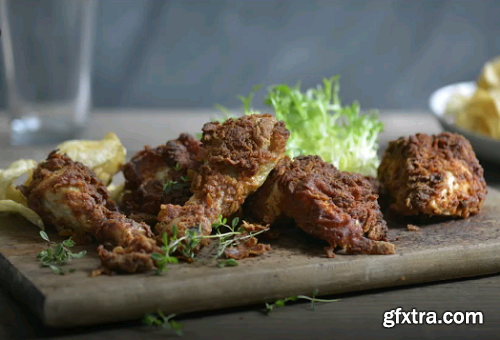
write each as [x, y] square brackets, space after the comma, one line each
[329, 252]
[412, 227]
[402, 278]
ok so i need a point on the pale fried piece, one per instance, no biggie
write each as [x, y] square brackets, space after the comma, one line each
[160, 176]
[238, 156]
[433, 175]
[339, 207]
[69, 196]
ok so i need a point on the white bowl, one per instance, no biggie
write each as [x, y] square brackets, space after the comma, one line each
[485, 147]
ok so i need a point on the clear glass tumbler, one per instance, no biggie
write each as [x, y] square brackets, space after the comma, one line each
[47, 50]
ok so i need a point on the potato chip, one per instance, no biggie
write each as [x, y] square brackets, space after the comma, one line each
[116, 191]
[456, 104]
[105, 157]
[482, 113]
[490, 75]
[8, 190]
[11, 207]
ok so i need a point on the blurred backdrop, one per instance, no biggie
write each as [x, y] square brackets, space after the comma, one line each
[389, 54]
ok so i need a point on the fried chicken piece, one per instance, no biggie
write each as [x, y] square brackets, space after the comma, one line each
[238, 156]
[68, 195]
[433, 175]
[160, 176]
[339, 207]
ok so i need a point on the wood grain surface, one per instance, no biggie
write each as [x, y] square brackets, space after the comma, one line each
[440, 250]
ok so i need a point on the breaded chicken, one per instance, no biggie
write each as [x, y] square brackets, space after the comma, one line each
[238, 156]
[339, 207]
[160, 176]
[433, 175]
[68, 195]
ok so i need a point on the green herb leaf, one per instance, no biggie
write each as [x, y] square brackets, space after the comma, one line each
[56, 269]
[235, 222]
[177, 167]
[58, 254]
[166, 322]
[156, 256]
[282, 302]
[227, 263]
[44, 235]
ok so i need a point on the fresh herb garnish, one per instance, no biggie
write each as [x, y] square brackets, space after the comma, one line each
[186, 245]
[168, 248]
[166, 322]
[227, 263]
[185, 178]
[320, 125]
[58, 254]
[282, 302]
[177, 167]
[232, 237]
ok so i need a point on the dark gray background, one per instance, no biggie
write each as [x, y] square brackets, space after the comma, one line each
[390, 54]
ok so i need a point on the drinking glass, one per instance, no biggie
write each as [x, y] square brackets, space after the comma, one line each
[47, 50]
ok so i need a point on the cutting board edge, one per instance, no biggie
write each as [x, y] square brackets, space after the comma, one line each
[56, 306]
[22, 288]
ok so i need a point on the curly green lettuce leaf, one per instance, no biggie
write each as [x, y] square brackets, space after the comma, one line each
[320, 125]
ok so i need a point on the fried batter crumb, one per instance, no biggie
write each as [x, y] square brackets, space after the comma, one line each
[412, 227]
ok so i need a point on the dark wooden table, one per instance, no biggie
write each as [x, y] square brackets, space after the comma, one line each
[355, 316]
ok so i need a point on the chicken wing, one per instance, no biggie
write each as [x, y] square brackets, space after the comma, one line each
[433, 175]
[160, 176]
[68, 195]
[339, 207]
[238, 156]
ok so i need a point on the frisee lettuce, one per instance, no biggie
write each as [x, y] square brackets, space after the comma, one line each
[320, 125]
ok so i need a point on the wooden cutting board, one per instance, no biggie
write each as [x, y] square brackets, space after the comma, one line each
[440, 250]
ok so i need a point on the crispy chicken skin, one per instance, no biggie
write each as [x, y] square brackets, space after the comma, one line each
[151, 168]
[339, 207]
[433, 175]
[68, 195]
[238, 156]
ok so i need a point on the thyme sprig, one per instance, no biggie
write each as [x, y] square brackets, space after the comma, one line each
[234, 236]
[281, 302]
[159, 319]
[186, 245]
[58, 254]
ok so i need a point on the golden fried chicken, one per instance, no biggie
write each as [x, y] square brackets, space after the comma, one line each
[160, 176]
[238, 156]
[339, 207]
[68, 195]
[433, 175]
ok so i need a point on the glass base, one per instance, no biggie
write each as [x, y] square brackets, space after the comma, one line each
[43, 137]
[30, 131]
